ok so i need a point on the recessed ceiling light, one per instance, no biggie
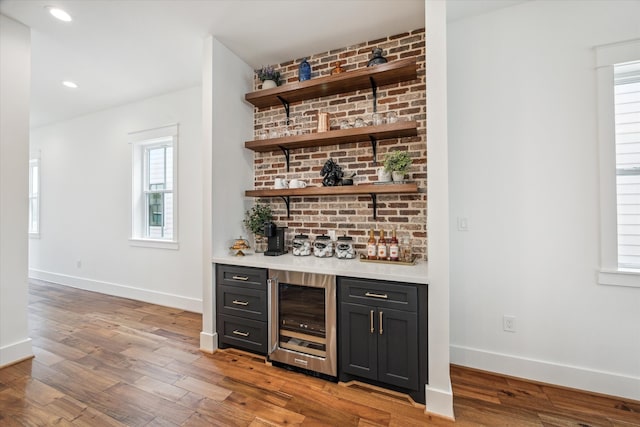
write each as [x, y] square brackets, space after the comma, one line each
[59, 13]
[70, 84]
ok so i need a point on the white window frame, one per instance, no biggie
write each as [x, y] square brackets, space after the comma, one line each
[606, 57]
[34, 162]
[141, 142]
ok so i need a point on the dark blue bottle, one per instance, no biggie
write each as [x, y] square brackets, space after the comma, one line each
[304, 70]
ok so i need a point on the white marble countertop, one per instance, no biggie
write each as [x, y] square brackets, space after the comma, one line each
[417, 273]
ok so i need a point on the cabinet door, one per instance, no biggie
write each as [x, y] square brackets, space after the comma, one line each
[398, 347]
[358, 344]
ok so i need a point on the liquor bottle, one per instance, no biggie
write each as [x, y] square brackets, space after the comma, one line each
[372, 249]
[383, 252]
[394, 249]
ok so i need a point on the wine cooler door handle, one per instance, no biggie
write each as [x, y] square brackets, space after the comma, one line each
[374, 295]
[243, 278]
[371, 321]
[273, 310]
[242, 334]
[380, 322]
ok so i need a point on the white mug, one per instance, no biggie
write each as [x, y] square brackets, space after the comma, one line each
[297, 183]
[280, 183]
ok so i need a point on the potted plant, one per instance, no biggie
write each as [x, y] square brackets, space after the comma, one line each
[254, 220]
[269, 76]
[397, 162]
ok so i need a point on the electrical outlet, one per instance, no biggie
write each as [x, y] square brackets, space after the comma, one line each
[509, 323]
[463, 223]
[78, 264]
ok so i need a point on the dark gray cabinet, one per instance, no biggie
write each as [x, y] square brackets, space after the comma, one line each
[382, 334]
[241, 307]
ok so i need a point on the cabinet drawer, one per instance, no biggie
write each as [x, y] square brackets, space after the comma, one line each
[243, 333]
[242, 302]
[378, 293]
[246, 277]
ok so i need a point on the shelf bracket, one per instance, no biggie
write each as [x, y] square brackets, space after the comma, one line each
[286, 153]
[374, 90]
[285, 104]
[287, 201]
[374, 200]
[374, 147]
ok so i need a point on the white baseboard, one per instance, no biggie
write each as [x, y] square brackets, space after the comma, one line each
[439, 402]
[16, 352]
[124, 291]
[547, 372]
[208, 342]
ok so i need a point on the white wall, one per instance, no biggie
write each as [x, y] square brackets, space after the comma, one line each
[86, 198]
[15, 72]
[524, 171]
[228, 166]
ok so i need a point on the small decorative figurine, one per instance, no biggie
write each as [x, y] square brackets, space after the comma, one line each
[332, 174]
[376, 57]
[304, 70]
[338, 69]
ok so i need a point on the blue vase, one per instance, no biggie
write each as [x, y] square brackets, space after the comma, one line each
[304, 70]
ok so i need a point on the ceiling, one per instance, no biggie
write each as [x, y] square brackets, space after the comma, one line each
[120, 51]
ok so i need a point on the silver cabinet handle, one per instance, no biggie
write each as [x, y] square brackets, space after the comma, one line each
[242, 334]
[236, 302]
[243, 278]
[381, 323]
[371, 294]
[371, 321]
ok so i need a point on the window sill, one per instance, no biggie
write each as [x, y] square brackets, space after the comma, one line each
[619, 277]
[157, 244]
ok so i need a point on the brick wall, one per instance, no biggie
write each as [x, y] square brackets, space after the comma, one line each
[352, 215]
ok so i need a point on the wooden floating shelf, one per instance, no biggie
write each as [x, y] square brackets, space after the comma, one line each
[349, 81]
[335, 137]
[341, 190]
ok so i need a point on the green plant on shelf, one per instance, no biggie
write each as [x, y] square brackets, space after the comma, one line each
[397, 161]
[255, 218]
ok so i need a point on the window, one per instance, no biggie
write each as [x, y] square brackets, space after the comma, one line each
[34, 197]
[627, 119]
[618, 73]
[154, 184]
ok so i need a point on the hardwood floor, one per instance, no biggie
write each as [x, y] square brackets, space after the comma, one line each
[107, 361]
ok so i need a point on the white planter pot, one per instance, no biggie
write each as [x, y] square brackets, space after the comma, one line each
[397, 176]
[383, 175]
[268, 84]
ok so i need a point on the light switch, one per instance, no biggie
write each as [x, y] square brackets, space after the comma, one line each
[463, 223]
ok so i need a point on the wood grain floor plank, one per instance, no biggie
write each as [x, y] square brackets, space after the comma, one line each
[67, 408]
[94, 418]
[321, 400]
[203, 388]
[265, 410]
[162, 389]
[224, 414]
[276, 397]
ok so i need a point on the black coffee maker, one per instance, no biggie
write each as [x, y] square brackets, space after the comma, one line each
[275, 239]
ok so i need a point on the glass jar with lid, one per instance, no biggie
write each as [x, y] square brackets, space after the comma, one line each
[301, 245]
[323, 247]
[344, 248]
